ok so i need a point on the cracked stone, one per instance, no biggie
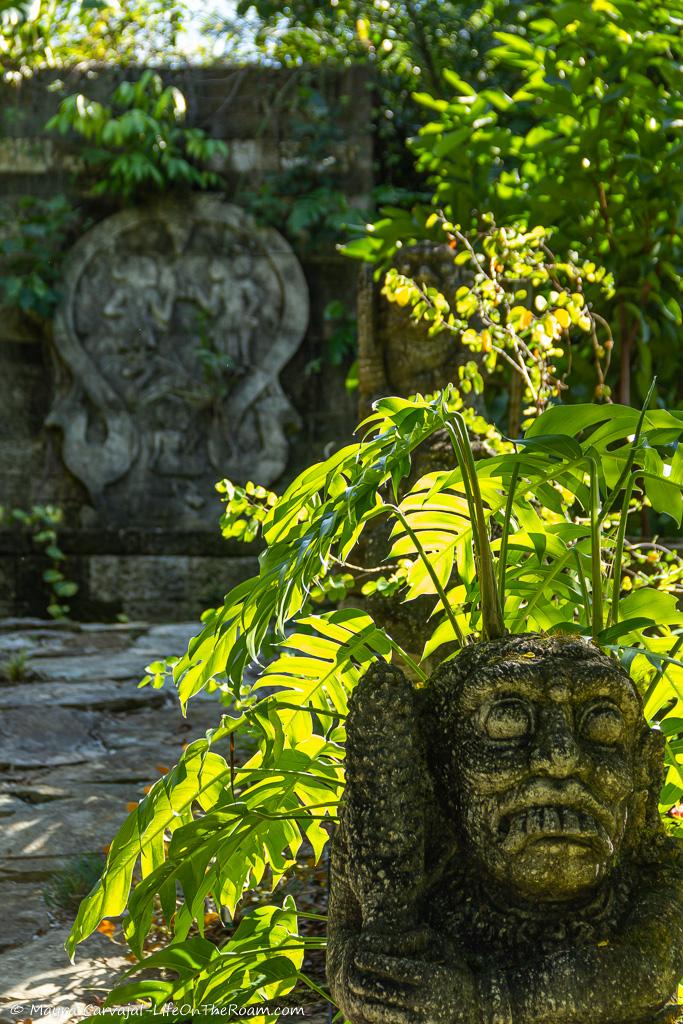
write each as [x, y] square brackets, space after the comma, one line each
[70, 738]
[40, 971]
[109, 695]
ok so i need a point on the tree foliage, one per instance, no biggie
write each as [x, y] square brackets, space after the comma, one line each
[139, 143]
[519, 309]
[36, 34]
[588, 139]
[530, 539]
[409, 44]
[30, 254]
[41, 523]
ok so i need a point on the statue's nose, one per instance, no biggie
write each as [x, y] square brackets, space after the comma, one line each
[555, 751]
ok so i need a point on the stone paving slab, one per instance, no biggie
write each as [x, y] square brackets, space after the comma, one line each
[138, 643]
[63, 828]
[40, 972]
[79, 742]
[86, 695]
[50, 639]
[30, 915]
[9, 805]
[33, 737]
[86, 667]
[34, 871]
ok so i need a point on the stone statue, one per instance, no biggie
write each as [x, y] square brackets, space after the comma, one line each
[500, 858]
[397, 355]
[175, 322]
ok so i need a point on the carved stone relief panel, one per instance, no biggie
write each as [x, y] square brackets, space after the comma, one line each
[176, 320]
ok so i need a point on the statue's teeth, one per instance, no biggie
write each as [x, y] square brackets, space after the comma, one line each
[547, 821]
[535, 820]
[551, 820]
[570, 820]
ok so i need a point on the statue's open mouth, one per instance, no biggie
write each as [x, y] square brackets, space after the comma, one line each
[547, 823]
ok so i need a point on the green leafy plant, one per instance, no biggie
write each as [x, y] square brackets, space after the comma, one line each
[66, 888]
[519, 309]
[305, 198]
[31, 254]
[408, 46]
[42, 523]
[139, 143]
[342, 340]
[15, 669]
[531, 539]
[36, 34]
[246, 509]
[586, 138]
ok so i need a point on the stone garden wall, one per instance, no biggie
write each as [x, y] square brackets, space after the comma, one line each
[111, 417]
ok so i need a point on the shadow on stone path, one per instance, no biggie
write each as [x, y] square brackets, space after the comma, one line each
[78, 742]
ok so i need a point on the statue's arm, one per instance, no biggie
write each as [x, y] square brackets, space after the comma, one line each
[625, 981]
[383, 808]
[381, 962]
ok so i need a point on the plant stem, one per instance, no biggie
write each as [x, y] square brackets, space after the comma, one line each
[503, 557]
[430, 569]
[408, 660]
[311, 710]
[660, 671]
[596, 561]
[582, 580]
[493, 625]
[619, 554]
[631, 455]
[559, 566]
[316, 988]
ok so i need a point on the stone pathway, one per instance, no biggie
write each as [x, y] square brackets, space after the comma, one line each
[78, 742]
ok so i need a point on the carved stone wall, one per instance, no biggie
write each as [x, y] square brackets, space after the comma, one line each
[188, 346]
[175, 323]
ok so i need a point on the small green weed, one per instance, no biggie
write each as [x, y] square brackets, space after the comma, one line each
[65, 890]
[15, 668]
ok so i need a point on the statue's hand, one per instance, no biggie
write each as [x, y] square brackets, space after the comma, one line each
[404, 990]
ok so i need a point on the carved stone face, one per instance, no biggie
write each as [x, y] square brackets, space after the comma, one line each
[541, 765]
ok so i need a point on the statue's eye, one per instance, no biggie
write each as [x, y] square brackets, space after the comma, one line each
[508, 719]
[602, 723]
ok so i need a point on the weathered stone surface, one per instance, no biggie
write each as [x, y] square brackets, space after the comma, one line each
[71, 775]
[26, 156]
[41, 972]
[29, 914]
[73, 737]
[500, 857]
[67, 827]
[120, 665]
[88, 696]
[25, 871]
[50, 815]
[9, 805]
[43, 639]
[175, 324]
[251, 110]
[90, 655]
[396, 355]
[159, 587]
